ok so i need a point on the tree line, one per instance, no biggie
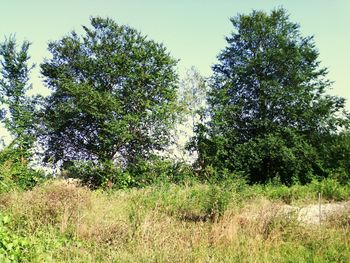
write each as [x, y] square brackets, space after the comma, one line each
[264, 115]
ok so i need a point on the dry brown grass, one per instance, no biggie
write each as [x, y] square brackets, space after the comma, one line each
[57, 203]
[146, 226]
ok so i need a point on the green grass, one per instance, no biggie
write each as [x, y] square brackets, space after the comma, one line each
[230, 222]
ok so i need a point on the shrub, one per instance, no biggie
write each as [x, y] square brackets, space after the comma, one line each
[160, 171]
[330, 189]
[13, 248]
[108, 175]
[15, 171]
[95, 175]
[340, 175]
[216, 202]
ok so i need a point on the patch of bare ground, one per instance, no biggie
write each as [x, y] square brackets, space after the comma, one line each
[317, 213]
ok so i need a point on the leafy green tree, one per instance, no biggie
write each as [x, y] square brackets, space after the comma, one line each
[18, 108]
[113, 96]
[19, 116]
[269, 110]
[336, 153]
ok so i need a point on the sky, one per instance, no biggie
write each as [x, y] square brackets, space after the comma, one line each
[192, 30]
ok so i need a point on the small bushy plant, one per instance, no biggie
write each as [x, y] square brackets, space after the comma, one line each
[15, 171]
[216, 202]
[13, 248]
[159, 171]
[330, 189]
[95, 175]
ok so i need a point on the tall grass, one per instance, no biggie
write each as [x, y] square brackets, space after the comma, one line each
[230, 222]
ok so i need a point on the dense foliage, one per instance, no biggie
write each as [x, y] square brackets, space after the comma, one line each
[18, 109]
[109, 119]
[113, 96]
[19, 114]
[268, 108]
[15, 171]
[115, 107]
[13, 248]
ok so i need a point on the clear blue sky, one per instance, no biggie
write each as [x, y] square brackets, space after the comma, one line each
[192, 30]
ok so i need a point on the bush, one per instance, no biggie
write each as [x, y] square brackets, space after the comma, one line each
[144, 173]
[160, 171]
[95, 175]
[216, 202]
[330, 189]
[199, 202]
[15, 171]
[337, 156]
[13, 248]
[340, 175]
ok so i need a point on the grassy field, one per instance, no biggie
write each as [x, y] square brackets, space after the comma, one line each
[232, 222]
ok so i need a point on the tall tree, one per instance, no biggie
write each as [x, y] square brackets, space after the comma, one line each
[18, 108]
[268, 104]
[193, 94]
[19, 116]
[192, 97]
[113, 95]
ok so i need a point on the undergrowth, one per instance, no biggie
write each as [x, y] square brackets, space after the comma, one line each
[60, 221]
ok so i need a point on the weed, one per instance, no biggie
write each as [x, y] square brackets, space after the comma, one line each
[13, 248]
[56, 203]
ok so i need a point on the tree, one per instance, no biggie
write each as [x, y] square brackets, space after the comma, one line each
[193, 95]
[113, 96]
[192, 99]
[18, 108]
[268, 106]
[19, 116]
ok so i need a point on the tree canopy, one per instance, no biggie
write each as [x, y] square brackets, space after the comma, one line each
[113, 95]
[268, 106]
[18, 109]
[19, 116]
[266, 112]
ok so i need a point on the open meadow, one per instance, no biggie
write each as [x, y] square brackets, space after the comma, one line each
[232, 222]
